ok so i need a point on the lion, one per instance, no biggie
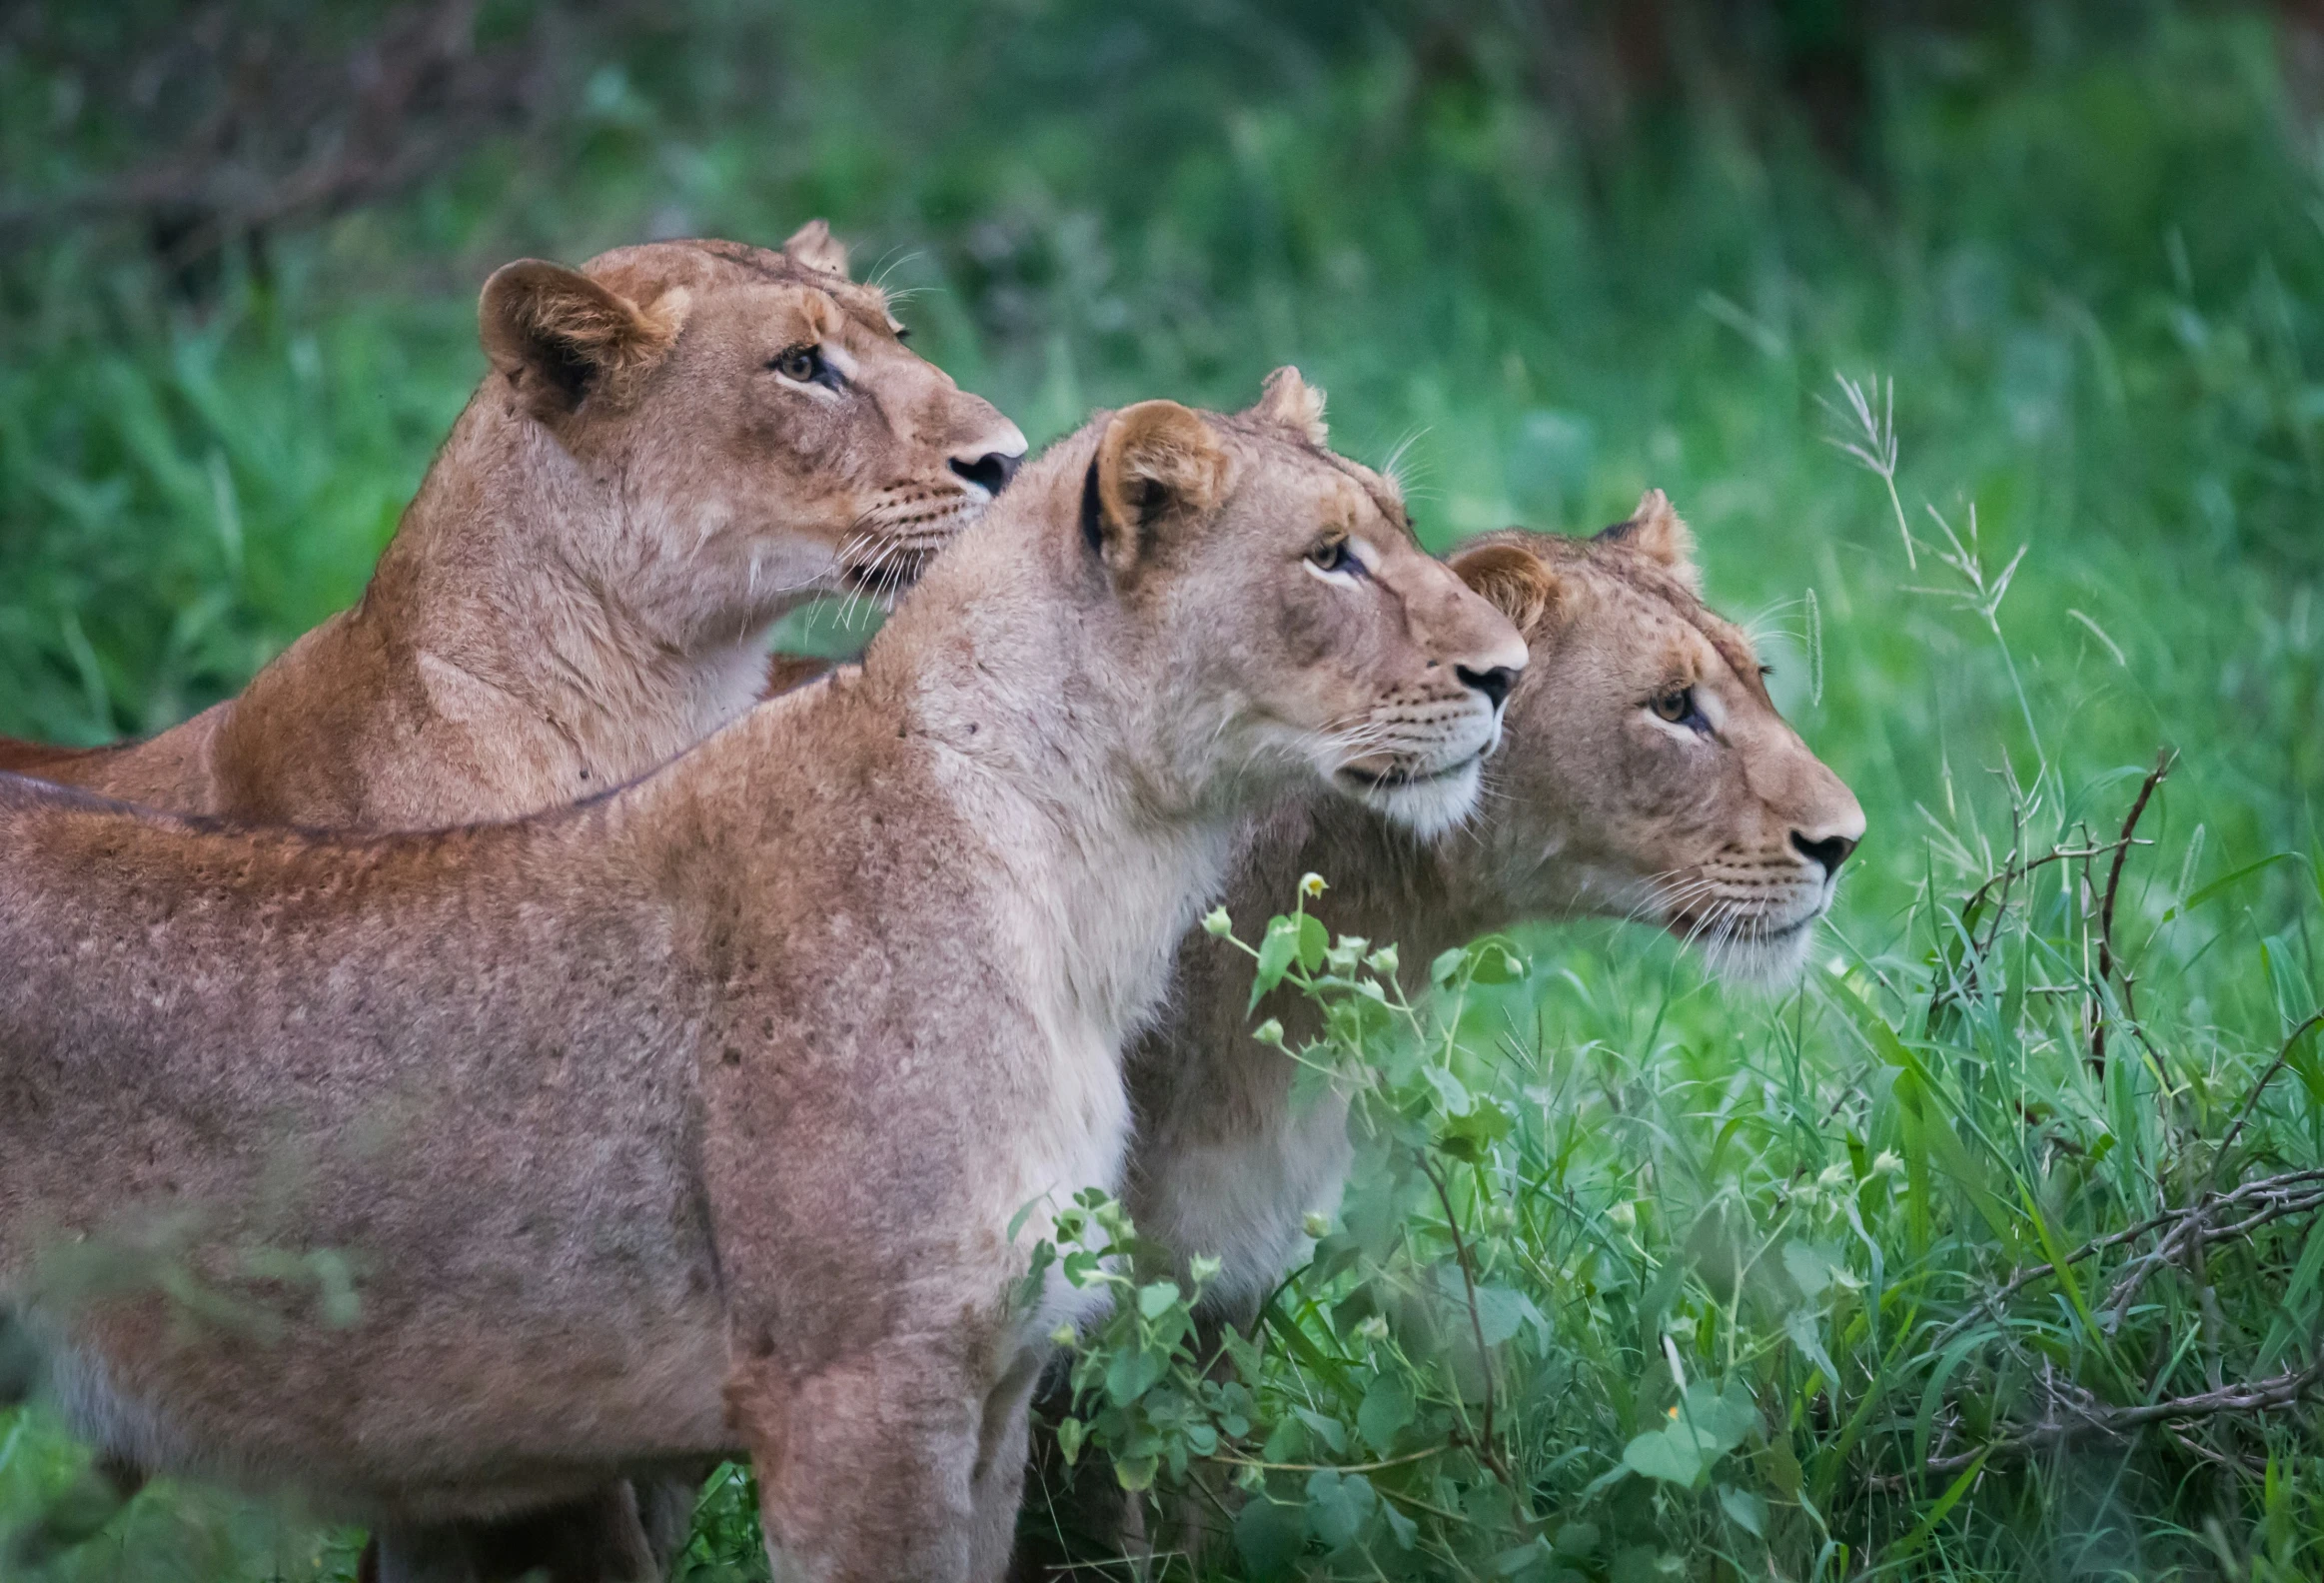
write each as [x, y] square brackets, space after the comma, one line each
[444, 1176]
[675, 444]
[1646, 775]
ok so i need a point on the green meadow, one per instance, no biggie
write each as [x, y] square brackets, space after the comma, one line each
[1990, 1250]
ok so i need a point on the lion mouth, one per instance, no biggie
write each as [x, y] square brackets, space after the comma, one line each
[1404, 774]
[887, 575]
[1711, 929]
[884, 566]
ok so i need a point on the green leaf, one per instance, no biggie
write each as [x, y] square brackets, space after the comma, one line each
[1523, 1559]
[1672, 1457]
[1706, 1425]
[1339, 1505]
[1387, 1408]
[1327, 1429]
[1277, 950]
[1269, 1536]
[1131, 1375]
[1452, 1093]
[1070, 1436]
[1809, 1269]
[1801, 1325]
[1406, 1530]
[1156, 1299]
[2226, 882]
[1313, 941]
[1471, 1137]
[1725, 1417]
[1286, 1443]
[1646, 1564]
[1745, 1510]
[1501, 1312]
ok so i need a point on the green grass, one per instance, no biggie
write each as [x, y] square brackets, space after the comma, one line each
[2089, 256]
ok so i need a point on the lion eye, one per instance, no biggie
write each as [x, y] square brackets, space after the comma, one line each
[1677, 708]
[1333, 555]
[804, 364]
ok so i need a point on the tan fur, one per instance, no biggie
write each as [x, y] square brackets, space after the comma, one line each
[583, 586]
[693, 1119]
[1591, 807]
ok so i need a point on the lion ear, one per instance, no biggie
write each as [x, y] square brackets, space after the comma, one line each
[1512, 580]
[561, 337]
[813, 246]
[1157, 462]
[1290, 402]
[1655, 531]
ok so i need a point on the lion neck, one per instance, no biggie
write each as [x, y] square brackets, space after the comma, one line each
[1009, 662]
[517, 568]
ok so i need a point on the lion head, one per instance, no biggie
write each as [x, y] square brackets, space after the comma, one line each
[771, 435]
[1280, 584]
[1647, 772]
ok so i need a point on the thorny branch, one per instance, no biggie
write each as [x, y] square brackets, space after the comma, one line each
[2252, 1204]
[2073, 1415]
[2076, 1416]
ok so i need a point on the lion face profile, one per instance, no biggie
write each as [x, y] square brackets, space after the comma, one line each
[1652, 777]
[1373, 670]
[776, 436]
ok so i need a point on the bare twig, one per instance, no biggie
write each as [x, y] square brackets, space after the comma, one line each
[2193, 1234]
[2084, 1418]
[2012, 870]
[2154, 777]
[2250, 1104]
[2280, 1196]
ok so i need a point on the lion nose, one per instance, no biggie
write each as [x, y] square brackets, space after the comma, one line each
[1829, 850]
[990, 472]
[1494, 681]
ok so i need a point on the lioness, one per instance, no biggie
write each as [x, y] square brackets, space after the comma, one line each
[703, 1116]
[1646, 774]
[677, 444]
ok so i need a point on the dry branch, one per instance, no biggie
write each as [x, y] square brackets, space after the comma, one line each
[2292, 1192]
[2074, 1415]
[2154, 777]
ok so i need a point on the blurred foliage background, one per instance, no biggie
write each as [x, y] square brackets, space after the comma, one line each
[1550, 252]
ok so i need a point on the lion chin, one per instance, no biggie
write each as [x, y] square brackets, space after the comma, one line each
[1766, 958]
[1427, 805]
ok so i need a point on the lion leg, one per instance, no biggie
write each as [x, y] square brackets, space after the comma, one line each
[998, 1485]
[666, 1509]
[867, 1463]
[597, 1539]
[1188, 1521]
[1080, 1519]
